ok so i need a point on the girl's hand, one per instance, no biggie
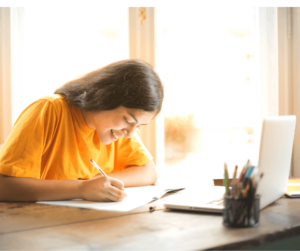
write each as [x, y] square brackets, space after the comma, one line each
[102, 189]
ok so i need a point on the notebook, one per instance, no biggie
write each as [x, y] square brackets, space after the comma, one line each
[136, 197]
[275, 154]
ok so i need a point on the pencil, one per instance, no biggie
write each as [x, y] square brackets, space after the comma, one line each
[226, 178]
[233, 185]
[98, 167]
[245, 194]
[234, 174]
[241, 175]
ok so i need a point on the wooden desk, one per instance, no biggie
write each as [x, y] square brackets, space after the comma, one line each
[35, 226]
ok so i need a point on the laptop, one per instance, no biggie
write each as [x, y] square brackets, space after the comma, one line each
[276, 146]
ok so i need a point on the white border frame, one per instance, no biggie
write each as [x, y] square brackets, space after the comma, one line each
[5, 74]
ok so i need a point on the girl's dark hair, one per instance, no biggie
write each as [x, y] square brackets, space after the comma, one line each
[130, 83]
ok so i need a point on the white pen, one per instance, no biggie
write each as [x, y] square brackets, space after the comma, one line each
[98, 167]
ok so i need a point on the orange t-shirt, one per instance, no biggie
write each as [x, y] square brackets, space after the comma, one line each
[50, 140]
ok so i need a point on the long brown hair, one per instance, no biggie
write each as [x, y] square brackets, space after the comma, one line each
[130, 83]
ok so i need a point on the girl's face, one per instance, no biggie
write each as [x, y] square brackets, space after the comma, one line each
[117, 123]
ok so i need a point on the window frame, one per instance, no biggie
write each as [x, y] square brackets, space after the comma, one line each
[142, 46]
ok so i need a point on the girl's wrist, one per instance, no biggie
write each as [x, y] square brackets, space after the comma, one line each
[80, 188]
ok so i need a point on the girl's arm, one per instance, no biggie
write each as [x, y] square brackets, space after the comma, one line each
[30, 189]
[137, 175]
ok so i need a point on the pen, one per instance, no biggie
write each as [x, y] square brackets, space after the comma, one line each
[256, 183]
[98, 167]
[247, 166]
[247, 176]
[249, 172]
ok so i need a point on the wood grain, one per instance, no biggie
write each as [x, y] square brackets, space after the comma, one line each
[27, 216]
[158, 230]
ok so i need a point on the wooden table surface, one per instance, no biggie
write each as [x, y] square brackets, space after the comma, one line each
[43, 227]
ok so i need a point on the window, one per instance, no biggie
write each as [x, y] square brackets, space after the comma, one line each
[61, 43]
[206, 60]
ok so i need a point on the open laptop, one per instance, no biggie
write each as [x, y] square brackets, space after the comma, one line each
[275, 154]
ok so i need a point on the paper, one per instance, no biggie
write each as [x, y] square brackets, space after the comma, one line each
[136, 197]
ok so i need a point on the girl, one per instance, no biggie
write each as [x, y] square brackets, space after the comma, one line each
[47, 154]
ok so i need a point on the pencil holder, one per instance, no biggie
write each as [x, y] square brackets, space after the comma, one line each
[241, 212]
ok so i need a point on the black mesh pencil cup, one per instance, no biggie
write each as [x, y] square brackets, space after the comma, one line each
[241, 212]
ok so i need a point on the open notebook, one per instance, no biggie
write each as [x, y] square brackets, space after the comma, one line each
[136, 197]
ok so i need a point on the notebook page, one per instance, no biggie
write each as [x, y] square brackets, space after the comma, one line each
[136, 197]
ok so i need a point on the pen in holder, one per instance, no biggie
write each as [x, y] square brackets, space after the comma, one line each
[241, 212]
[241, 203]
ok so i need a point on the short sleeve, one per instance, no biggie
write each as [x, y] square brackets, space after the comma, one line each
[31, 135]
[130, 152]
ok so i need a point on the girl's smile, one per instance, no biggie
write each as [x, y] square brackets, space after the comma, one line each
[117, 123]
